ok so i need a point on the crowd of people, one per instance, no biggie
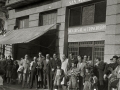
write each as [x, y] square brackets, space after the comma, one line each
[61, 74]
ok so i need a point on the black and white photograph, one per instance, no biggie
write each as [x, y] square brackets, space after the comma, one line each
[59, 44]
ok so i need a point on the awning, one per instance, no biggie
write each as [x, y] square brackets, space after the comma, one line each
[24, 35]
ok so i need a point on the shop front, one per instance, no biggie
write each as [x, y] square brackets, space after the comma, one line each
[86, 28]
[31, 41]
[87, 42]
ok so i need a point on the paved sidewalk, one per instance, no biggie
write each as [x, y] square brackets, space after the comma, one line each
[16, 87]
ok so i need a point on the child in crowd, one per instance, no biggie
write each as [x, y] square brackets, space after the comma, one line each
[72, 74]
[20, 72]
[94, 82]
[59, 74]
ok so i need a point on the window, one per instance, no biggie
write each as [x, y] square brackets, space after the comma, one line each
[91, 48]
[99, 52]
[73, 48]
[23, 22]
[75, 16]
[99, 49]
[48, 18]
[100, 12]
[88, 14]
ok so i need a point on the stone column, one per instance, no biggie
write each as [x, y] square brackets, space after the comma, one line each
[112, 37]
[61, 20]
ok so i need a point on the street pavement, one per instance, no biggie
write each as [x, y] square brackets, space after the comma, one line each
[16, 87]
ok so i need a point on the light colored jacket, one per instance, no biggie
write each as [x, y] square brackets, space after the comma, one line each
[26, 65]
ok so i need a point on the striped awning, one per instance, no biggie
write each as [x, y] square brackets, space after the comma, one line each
[24, 35]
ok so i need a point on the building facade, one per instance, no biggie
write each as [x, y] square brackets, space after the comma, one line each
[87, 27]
[34, 14]
[93, 28]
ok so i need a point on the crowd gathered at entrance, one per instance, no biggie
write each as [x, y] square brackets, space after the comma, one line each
[61, 74]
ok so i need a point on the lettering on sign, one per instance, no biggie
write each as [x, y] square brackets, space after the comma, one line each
[87, 29]
[71, 2]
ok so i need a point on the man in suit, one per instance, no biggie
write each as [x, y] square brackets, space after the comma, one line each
[33, 71]
[46, 71]
[26, 64]
[39, 73]
[108, 71]
[54, 63]
[71, 60]
[9, 66]
[100, 66]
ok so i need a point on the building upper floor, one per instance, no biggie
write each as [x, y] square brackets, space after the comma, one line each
[77, 13]
[12, 4]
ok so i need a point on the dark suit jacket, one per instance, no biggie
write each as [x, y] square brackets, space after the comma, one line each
[54, 63]
[47, 67]
[101, 67]
[108, 68]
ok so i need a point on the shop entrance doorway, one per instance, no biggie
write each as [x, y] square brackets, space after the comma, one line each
[85, 51]
[45, 44]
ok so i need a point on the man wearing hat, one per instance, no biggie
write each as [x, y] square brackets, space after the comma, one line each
[109, 69]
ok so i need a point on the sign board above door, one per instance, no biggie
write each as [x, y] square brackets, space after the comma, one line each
[86, 29]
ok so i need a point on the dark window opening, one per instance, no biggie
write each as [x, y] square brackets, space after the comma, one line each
[100, 12]
[88, 14]
[22, 22]
[75, 16]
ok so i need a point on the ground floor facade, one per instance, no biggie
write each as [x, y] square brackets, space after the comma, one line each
[87, 27]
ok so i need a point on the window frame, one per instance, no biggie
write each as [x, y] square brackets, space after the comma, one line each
[73, 47]
[20, 19]
[85, 5]
[46, 13]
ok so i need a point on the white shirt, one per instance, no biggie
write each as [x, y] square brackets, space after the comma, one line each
[1, 81]
[64, 65]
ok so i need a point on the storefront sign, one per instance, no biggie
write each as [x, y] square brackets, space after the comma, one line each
[72, 2]
[85, 29]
